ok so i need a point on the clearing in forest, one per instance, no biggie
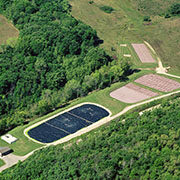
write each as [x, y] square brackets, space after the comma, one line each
[125, 25]
[7, 30]
[158, 82]
[132, 93]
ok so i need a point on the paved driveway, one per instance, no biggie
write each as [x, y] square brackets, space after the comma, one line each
[10, 160]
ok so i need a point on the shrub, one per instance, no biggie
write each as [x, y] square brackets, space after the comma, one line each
[175, 9]
[91, 2]
[107, 9]
[113, 49]
[147, 18]
[167, 16]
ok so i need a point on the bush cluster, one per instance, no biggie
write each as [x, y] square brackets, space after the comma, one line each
[175, 9]
[107, 9]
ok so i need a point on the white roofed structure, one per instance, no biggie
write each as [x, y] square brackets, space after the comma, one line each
[9, 138]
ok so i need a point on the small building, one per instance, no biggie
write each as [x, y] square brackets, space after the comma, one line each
[9, 138]
[5, 151]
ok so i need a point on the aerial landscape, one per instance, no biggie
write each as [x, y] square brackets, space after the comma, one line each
[89, 89]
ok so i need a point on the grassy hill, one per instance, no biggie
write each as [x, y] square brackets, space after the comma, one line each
[153, 7]
[146, 146]
[141, 147]
[125, 25]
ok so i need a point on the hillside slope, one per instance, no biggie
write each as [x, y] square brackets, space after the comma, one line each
[125, 25]
[56, 59]
[153, 7]
[146, 147]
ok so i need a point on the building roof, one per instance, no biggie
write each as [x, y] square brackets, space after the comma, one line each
[4, 149]
[9, 138]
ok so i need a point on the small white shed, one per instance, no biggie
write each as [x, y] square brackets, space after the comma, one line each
[9, 138]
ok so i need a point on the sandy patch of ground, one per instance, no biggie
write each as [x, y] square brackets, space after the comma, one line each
[7, 30]
[132, 93]
[143, 53]
[158, 82]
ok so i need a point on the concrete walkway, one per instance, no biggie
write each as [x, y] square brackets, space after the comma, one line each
[10, 160]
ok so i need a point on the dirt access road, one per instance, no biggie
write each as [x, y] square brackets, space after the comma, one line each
[160, 69]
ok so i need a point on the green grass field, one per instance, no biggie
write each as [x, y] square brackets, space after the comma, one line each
[23, 146]
[102, 97]
[1, 162]
[7, 30]
[125, 25]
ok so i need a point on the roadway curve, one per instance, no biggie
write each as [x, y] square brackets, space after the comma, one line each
[160, 69]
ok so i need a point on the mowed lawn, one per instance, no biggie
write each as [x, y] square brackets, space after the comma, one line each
[7, 30]
[1, 162]
[125, 25]
[23, 145]
[102, 97]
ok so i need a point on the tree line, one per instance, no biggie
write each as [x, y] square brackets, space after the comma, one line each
[56, 58]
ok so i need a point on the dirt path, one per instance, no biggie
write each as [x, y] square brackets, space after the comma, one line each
[11, 159]
[160, 69]
[150, 47]
[163, 70]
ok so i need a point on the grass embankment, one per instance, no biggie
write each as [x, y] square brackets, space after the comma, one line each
[7, 31]
[24, 145]
[125, 25]
[1, 162]
[102, 97]
[141, 147]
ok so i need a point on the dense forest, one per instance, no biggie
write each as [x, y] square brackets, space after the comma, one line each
[141, 147]
[55, 59]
